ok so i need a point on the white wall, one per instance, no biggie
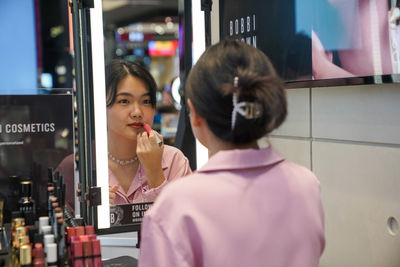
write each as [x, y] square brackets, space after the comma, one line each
[350, 137]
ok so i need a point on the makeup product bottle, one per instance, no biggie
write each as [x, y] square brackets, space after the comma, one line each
[43, 220]
[38, 256]
[17, 235]
[62, 248]
[31, 234]
[46, 229]
[19, 231]
[25, 257]
[50, 176]
[47, 239]
[20, 242]
[53, 206]
[15, 223]
[16, 220]
[38, 238]
[87, 253]
[50, 193]
[79, 231]
[13, 184]
[26, 202]
[30, 219]
[70, 233]
[23, 240]
[59, 186]
[51, 255]
[77, 253]
[89, 230]
[49, 245]
[56, 216]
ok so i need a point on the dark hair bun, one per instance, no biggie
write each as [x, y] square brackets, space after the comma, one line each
[210, 86]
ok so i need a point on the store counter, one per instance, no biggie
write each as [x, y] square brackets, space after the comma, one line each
[119, 245]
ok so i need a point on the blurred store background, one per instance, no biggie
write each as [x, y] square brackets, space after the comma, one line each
[147, 32]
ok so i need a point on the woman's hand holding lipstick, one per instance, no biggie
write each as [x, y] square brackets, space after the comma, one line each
[149, 151]
[148, 129]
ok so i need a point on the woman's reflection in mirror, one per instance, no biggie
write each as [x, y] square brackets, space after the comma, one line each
[138, 166]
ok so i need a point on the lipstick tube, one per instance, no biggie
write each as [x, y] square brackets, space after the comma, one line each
[77, 253]
[148, 129]
[96, 251]
[89, 229]
[87, 253]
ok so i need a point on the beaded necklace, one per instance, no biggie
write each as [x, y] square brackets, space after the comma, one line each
[122, 162]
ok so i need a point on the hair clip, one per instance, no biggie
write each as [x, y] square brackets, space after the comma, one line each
[249, 110]
[236, 81]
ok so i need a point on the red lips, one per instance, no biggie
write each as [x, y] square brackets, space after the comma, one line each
[136, 125]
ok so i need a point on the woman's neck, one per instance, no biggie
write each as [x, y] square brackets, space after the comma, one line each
[122, 148]
[218, 145]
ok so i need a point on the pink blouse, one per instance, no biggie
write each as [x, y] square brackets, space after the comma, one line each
[242, 208]
[174, 165]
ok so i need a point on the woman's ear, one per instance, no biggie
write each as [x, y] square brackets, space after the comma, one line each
[195, 118]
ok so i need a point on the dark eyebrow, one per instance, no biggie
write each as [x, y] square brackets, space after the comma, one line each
[129, 94]
[146, 94]
[124, 94]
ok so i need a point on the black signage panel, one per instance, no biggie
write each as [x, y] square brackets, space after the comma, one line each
[269, 26]
[36, 133]
[321, 41]
[128, 214]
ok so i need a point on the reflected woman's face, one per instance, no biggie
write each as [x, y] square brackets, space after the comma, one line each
[131, 108]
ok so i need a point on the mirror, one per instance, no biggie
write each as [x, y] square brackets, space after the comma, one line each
[146, 33]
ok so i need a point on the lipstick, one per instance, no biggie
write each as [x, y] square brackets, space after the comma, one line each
[87, 253]
[77, 253]
[148, 129]
[96, 253]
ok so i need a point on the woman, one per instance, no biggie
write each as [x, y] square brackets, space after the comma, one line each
[247, 206]
[138, 166]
